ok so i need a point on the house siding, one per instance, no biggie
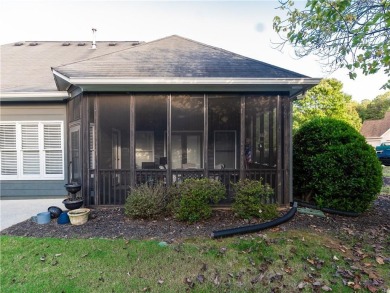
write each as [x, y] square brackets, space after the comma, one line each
[34, 112]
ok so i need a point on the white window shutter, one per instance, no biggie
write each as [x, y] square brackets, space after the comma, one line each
[52, 138]
[30, 137]
[9, 163]
[8, 137]
[53, 163]
[30, 149]
[8, 154]
[31, 165]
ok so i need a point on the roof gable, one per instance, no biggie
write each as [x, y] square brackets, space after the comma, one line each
[376, 128]
[173, 56]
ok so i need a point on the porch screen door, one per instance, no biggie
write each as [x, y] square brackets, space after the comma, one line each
[74, 154]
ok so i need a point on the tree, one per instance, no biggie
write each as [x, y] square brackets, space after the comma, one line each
[362, 109]
[334, 166]
[378, 107]
[343, 33]
[326, 100]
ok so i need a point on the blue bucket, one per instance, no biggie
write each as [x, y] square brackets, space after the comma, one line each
[63, 218]
[41, 218]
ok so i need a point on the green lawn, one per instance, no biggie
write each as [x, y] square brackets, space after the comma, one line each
[283, 261]
[386, 171]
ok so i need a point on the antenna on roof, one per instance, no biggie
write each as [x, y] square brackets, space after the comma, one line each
[93, 38]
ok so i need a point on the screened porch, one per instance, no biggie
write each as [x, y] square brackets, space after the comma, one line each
[132, 139]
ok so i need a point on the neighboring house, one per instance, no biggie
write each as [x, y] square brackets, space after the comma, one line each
[377, 131]
[161, 111]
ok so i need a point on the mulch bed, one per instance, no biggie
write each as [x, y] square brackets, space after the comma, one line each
[372, 226]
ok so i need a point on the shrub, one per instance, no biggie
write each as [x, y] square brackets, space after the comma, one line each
[253, 199]
[193, 197]
[334, 166]
[146, 201]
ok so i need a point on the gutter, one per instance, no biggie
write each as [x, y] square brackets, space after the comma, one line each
[54, 96]
[294, 86]
[187, 81]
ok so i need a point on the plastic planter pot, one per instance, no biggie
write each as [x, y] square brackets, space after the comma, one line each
[78, 216]
[73, 204]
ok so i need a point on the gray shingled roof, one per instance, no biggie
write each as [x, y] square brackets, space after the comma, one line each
[27, 68]
[173, 56]
[376, 128]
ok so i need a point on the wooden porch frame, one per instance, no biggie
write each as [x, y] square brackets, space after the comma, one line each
[283, 188]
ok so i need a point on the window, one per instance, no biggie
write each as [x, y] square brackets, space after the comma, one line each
[92, 143]
[31, 150]
[187, 150]
[144, 147]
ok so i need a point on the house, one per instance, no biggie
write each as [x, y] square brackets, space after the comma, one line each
[160, 111]
[377, 131]
[31, 104]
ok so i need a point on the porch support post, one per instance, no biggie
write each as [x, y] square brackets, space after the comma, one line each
[288, 150]
[242, 139]
[132, 141]
[205, 135]
[97, 145]
[84, 145]
[169, 140]
[279, 149]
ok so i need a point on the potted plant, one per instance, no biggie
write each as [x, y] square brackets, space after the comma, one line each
[73, 201]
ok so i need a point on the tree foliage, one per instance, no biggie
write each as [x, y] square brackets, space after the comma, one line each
[326, 100]
[334, 166]
[374, 109]
[342, 33]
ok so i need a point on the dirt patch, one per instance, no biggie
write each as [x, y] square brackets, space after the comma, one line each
[372, 226]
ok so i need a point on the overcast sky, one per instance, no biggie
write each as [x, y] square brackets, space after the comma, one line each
[243, 27]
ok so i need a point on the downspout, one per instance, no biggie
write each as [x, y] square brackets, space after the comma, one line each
[258, 227]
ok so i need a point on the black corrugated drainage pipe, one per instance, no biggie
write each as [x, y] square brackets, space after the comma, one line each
[329, 211]
[257, 227]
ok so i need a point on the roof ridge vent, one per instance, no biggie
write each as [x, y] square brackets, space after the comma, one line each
[112, 44]
[33, 44]
[18, 44]
[66, 44]
[81, 44]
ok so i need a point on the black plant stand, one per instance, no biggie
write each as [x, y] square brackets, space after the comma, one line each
[73, 203]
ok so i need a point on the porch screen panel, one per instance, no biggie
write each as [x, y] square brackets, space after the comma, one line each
[187, 131]
[260, 136]
[112, 147]
[224, 129]
[150, 128]
[114, 132]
